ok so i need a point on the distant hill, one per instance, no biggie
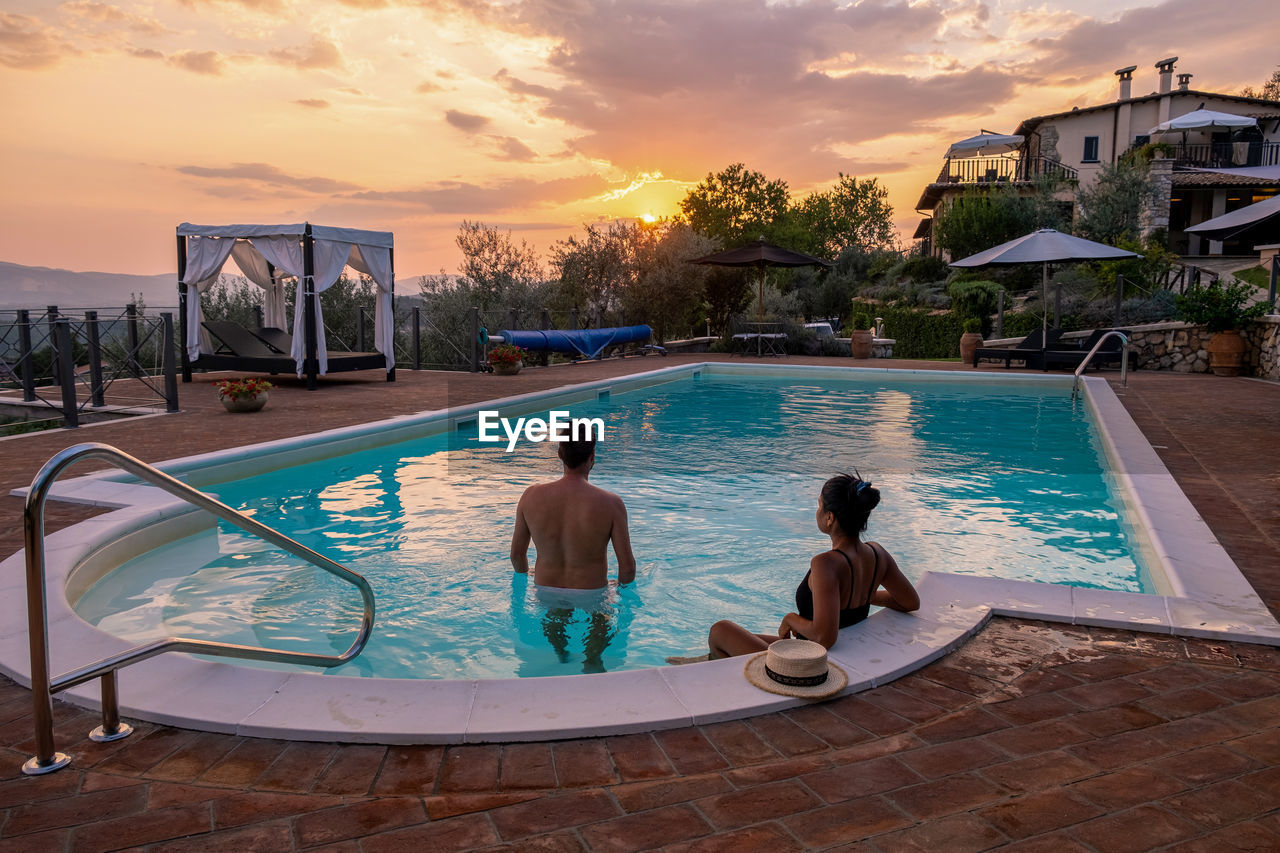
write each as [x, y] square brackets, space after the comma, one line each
[38, 287]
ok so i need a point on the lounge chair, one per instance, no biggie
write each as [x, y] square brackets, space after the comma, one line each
[239, 349]
[1027, 350]
[1111, 352]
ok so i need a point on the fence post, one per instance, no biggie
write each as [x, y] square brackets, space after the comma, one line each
[1119, 296]
[257, 316]
[170, 366]
[26, 358]
[545, 322]
[1275, 273]
[999, 330]
[1057, 306]
[360, 321]
[66, 371]
[511, 319]
[52, 313]
[475, 339]
[96, 391]
[131, 317]
[417, 338]
[573, 318]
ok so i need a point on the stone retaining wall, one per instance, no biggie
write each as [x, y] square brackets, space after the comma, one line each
[1181, 347]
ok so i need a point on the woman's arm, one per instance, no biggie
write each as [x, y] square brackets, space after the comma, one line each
[896, 591]
[824, 583]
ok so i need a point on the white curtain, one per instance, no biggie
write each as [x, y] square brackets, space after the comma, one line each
[286, 254]
[376, 263]
[205, 257]
[258, 270]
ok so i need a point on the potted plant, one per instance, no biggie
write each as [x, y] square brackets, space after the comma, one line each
[506, 359]
[243, 395]
[971, 339]
[1221, 310]
[860, 337]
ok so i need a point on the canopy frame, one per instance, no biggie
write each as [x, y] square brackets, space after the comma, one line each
[310, 359]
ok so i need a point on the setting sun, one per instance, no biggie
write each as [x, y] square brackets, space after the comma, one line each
[648, 219]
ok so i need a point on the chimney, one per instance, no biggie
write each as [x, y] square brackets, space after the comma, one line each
[1126, 81]
[1184, 82]
[1166, 74]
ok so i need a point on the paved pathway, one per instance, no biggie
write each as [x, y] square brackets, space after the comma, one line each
[1035, 736]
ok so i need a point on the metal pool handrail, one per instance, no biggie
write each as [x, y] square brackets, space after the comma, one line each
[1124, 361]
[47, 759]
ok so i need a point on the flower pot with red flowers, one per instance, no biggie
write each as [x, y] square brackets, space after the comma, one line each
[507, 359]
[243, 395]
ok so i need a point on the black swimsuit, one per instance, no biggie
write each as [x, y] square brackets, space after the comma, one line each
[848, 615]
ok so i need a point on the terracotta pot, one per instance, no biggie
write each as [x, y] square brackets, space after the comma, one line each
[860, 343]
[1226, 353]
[507, 369]
[969, 341]
[245, 404]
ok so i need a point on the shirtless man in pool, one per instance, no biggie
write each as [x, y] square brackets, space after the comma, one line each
[571, 523]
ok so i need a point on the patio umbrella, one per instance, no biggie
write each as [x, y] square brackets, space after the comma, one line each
[1044, 247]
[1201, 119]
[1228, 225]
[760, 255]
[984, 145]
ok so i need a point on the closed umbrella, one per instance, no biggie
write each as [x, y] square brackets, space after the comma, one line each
[1044, 247]
[760, 255]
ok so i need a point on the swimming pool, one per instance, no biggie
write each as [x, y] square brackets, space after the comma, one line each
[720, 470]
[1198, 592]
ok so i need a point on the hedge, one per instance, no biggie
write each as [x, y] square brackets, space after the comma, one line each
[919, 333]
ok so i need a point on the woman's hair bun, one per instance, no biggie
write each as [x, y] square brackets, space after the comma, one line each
[851, 499]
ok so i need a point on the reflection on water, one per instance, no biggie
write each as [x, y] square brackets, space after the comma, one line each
[720, 477]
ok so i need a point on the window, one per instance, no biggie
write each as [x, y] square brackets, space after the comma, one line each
[1090, 150]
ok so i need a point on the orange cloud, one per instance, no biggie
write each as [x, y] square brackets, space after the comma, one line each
[28, 44]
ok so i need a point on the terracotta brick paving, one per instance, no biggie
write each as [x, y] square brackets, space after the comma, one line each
[1031, 736]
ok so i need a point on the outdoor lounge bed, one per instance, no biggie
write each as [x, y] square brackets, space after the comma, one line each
[236, 348]
[1111, 352]
[1028, 350]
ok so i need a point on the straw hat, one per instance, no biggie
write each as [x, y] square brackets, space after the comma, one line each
[796, 668]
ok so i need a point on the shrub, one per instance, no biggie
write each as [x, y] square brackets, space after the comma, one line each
[974, 298]
[919, 333]
[923, 268]
[971, 325]
[1219, 307]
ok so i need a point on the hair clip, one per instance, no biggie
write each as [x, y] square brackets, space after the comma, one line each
[862, 484]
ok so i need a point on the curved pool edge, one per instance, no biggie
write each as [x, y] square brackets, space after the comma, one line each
[1205, 597]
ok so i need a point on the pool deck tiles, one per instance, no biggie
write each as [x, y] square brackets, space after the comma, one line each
[1031, 732]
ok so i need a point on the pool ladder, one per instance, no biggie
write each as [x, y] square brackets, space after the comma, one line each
[47, 759]
[1124, 360]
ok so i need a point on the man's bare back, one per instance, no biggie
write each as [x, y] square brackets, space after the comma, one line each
[571, 523]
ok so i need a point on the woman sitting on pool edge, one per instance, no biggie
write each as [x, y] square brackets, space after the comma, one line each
[841, 584]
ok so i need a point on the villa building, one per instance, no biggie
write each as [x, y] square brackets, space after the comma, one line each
[1075, 145]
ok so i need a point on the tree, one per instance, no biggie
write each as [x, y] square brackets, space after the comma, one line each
[982, 218]
[736, 206]
[594, 269]
[1270, 90]
[667, 291]
[852, 214]
[495, 266]
[1111, 209]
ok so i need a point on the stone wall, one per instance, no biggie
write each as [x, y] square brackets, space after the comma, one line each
[1263, 354]
[1181, 347]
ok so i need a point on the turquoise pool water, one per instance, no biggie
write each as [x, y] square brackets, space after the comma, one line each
[721, 476]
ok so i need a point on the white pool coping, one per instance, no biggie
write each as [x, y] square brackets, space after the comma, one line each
[1200, 593]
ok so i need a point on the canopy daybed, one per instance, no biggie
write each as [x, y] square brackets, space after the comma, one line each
[315, 256]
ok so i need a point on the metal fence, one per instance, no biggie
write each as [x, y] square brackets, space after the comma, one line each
[68, 365]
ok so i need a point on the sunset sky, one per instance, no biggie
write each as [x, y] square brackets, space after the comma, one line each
[124, 119]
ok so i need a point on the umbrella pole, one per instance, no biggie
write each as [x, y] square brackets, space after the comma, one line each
[1044, 299]
[760, 313]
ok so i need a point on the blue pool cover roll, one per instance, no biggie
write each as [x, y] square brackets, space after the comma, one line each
[588, 343]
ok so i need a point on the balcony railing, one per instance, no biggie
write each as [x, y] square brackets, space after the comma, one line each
[991, 170]
[1227, 155]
